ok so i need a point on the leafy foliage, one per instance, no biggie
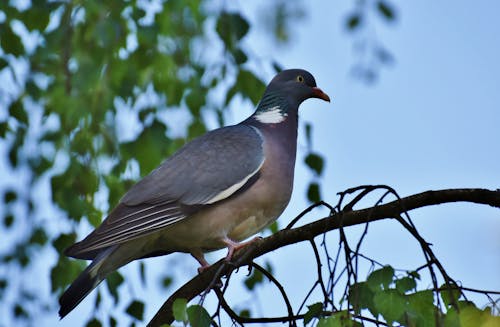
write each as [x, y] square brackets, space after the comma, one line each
[316, 163]
[86, 66]
[195, 315]
[136, 309]
[375, 54]
[73, 69]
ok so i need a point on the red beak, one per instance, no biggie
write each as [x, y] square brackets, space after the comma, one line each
[318, 93]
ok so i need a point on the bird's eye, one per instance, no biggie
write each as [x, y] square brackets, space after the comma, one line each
[300, 79]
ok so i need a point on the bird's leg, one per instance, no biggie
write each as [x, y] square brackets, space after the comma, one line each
[233, 246]
[198, 255]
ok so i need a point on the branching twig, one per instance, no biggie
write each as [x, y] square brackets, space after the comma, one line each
[307, 232]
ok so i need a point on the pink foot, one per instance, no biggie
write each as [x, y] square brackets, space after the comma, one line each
[233, 246]
[198, 255]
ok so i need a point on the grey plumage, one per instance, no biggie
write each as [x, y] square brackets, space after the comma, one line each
[179, 187]
[217, 190]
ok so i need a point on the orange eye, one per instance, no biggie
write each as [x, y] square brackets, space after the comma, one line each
[300, 79]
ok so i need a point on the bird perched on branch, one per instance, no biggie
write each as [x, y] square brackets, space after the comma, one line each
[215, 192]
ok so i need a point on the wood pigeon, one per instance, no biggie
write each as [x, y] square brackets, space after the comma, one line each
[217, 190]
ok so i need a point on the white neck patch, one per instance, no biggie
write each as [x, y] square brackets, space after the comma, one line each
[271, 116]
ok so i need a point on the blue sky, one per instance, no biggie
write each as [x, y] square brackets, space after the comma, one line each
[430, 122]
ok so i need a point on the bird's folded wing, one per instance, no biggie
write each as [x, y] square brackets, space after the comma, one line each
[205, 171]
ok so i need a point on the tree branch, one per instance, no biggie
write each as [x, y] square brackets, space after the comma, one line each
[203, 281]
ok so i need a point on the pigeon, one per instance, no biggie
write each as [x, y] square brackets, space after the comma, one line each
[215, 192]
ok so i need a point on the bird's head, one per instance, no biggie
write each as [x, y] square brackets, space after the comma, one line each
[285, 93]
[298, 84]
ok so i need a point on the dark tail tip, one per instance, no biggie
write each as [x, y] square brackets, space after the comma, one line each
[77, 291]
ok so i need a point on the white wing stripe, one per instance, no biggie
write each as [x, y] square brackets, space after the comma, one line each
[128, 222]
[117, 238]
[231, 189]
[135, 212]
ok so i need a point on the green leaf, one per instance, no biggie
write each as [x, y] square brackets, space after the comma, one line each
[136, 309]
[248, 85]
[4, 127]
[361, 297]
[196, 128]
[240, 57]
[414, 274]
[277, 67]
[9, 196]
[274, 227]
[73, 190]
[339, 319]
[385, 10]
[390, 304]
[93, 323]
[113, 281]
[254, 279]
[179, 309]
[11, 42]
[449, 294]
[3, 284]
[166, 282]
[17, 110]
[63, 241]
[82, 141]
[142, 272]
[38, 236]
[8, 220]
[381, 278]
[64, 272]
[314, 310]
[420, 309]
[98, 300]
[35, 18]
[19, 311]
[308, 130]
[245, 313]
[471, 316]
[353, 21]
[315, 162]
[231, 28]
[331, 321]
[40, 165]
[198, 316]
[3, 63]
[451, 318]
[313, 193]
[116, 188]
[405, 284]
[149, 149]
[195, 100]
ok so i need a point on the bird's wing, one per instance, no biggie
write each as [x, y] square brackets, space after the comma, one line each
[207, 170]
[204, 170]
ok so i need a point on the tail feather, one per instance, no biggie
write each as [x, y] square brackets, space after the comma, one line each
[78, 290]
[84, 284]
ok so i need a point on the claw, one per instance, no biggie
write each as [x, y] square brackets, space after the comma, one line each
[233, 246]
[198, 255]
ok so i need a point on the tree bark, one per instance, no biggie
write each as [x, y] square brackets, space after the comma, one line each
[209, 277]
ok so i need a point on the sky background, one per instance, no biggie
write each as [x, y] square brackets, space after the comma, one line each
[431, 121]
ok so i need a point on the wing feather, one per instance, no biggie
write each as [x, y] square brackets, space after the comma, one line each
[206, 170]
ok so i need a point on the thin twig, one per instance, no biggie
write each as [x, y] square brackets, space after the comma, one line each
[307, 232]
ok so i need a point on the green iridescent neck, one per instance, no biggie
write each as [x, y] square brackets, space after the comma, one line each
[272, 101]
